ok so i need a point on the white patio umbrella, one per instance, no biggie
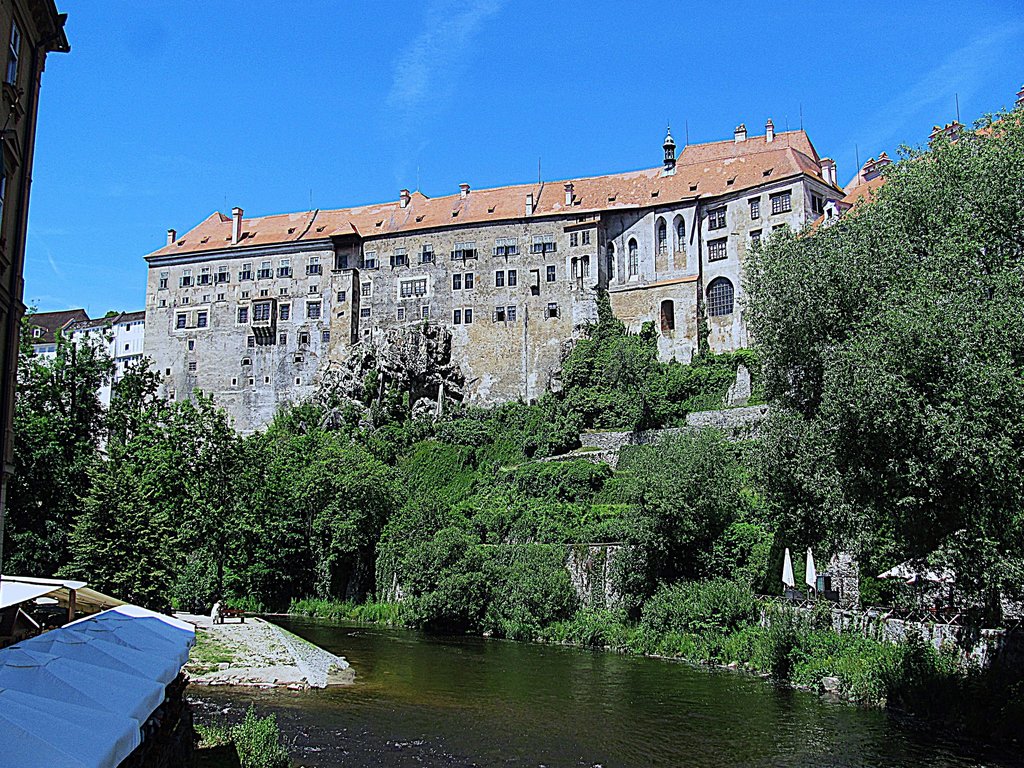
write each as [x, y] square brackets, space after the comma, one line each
[787, 571]
[810, 575]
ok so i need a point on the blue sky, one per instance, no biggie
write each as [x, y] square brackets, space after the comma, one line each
[166, 111]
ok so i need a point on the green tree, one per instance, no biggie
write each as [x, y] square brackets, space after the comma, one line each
[892, 350]
[57, 428]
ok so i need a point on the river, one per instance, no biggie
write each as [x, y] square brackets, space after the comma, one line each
[425, 701]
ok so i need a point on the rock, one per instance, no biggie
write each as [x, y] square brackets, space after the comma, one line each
[739, 390]
[831, 684]
[223, 665]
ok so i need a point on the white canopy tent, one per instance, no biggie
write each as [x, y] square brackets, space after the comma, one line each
[78, 696]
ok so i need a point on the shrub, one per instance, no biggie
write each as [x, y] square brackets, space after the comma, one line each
[257, 741]
[717, 606]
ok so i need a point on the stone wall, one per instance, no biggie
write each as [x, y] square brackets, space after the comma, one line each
[737, 423]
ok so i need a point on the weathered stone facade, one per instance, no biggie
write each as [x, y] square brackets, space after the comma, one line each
[255, 311]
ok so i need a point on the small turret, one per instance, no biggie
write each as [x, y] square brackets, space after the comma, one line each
[670, 151]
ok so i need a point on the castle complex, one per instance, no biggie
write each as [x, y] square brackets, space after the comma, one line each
[254, 311]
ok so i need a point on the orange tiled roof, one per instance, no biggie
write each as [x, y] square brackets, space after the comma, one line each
[862, 191]
[711, 169]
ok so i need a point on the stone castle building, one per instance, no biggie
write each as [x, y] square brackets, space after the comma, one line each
[255, 310]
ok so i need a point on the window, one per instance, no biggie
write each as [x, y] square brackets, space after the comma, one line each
[467, 281]
[399, 258]
[163, 302]
[303, 341]
[261, 312]
[265, 271]
[325, 336]
[457, 281]
[400, 314]
[680, 227]
[243, 315]
[585, 237]
[510, 313]
[506, 246]
[369, 260]
[13, 51]
[550, 272]
[574, 238]
[191, 366]
[366, 289]
[364, 312]
[312, 289]
[499, 279]
[499, 314]
[313, 267]
[817, 204]
[220, 297]
[282, 338]
[633, 264]
[284, 268]
[245, 273]
[464, 250]
[425, 312]
[779, 227]
[457, 317]
[202, 319]
[250, 342]
[409, 288]
[185, 280]
[668, 316]
[716, 218]
[755, 208]
[720, 297]
[234, 381]
[611, 260]
[717, 249]
[284, 311]
[341, 297]
[513, 278]
[163, 282]
[552, 310]
[468, 315]
[204, 276]
[543, 244]
[782, 202]
[427, 254]
[586, 266]
[206, 298]
[755, 237]
[662, 236]
[181, 320]
[185, 299]
[312, 310]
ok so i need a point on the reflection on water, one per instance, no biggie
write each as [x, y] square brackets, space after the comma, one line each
[420, 701]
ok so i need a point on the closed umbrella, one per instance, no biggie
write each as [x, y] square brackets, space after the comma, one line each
[810, 575]
[787, 571]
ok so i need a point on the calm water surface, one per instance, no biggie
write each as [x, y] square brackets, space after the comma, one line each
[423, 701]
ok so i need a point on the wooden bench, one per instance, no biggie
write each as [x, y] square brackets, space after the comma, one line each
[231, 613]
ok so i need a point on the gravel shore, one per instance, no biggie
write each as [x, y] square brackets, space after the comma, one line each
[260, 654]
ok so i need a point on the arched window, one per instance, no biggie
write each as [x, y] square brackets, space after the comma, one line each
[633, 265]
[575, 268]
[680, 228]
[668, 316]
[611, 261]
[586, 266]
[662, 235]
[720, 297]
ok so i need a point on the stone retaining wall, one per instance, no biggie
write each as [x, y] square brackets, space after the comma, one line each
[737, 423]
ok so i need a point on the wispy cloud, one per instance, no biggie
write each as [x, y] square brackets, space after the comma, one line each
[426, 73]
[962, 72]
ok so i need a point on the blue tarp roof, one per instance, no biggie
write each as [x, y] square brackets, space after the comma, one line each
[78, 696]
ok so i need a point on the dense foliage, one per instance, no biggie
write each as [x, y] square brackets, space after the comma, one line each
[893, 356]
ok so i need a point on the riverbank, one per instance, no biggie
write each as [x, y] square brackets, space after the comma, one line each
[259, 654]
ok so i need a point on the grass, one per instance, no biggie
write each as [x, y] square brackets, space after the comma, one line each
[209, 653]
[336, 610]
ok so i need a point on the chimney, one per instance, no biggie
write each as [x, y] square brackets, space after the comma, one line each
[529, 204]
[740, 134]
[463, 189]
[404, 197]
[568, 193]
[828, 170]
[172, 235]
[236, 225]
[769, 131]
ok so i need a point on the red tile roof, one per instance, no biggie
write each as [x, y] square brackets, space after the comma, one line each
[704, 170]
[50, 322]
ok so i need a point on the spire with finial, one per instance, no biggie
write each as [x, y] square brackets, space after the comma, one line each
[670, 151]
